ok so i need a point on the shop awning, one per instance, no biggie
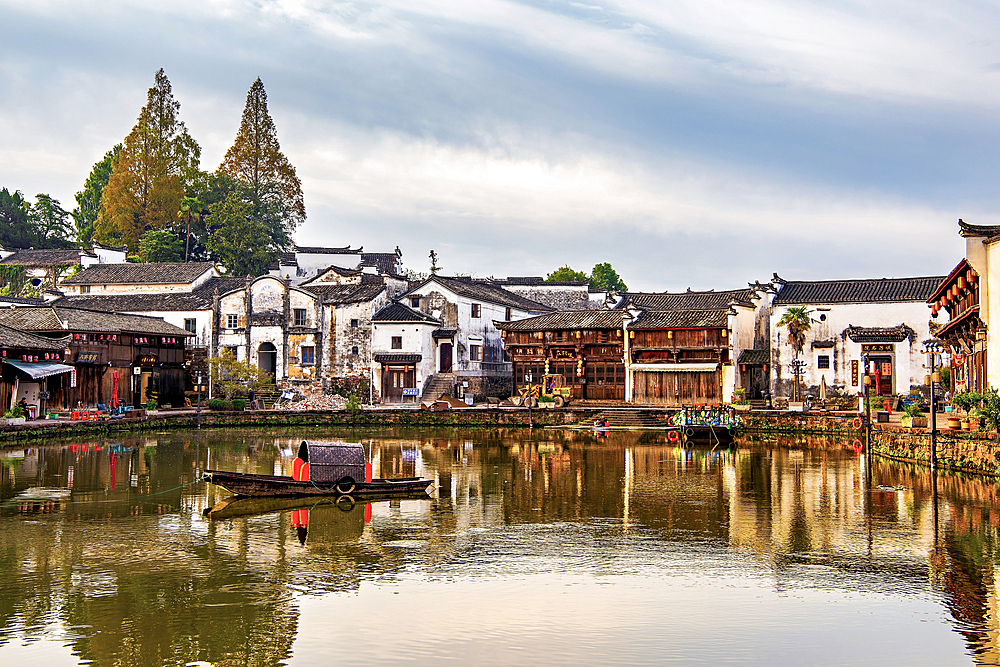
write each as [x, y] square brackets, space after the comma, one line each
[677, 368]
[40, 369]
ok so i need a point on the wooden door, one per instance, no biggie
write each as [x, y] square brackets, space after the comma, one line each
[395, 379]
[445, 357]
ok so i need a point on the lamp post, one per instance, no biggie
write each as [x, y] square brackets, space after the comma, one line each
[198, 389]
[932, 349]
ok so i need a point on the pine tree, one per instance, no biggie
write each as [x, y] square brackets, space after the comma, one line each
[255, 159]
[147, 184]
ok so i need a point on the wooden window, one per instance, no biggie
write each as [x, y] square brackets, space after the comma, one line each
[823, 361]
[191, 325]
[477, 310]
[84, 289]
[603, 336]
[559, 336]
[232, 321]
[299, 317]
[354, 324]
[233, 350]
[308, 354]
[397, 342]
[354, 350]
[509, 314]
[414, 301]
[475, 353]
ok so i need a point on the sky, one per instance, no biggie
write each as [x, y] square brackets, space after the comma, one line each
[690, 143]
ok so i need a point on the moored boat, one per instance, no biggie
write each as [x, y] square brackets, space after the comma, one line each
[321, 469]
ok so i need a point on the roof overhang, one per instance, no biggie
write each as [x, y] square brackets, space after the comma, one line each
[397, 358]
[37, 370]
[677, 368]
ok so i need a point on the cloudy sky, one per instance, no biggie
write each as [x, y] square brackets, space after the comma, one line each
[690, 143]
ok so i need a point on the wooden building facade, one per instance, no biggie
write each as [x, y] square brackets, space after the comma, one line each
[677, 357]
[965, 333]
[586, 347]
[129, 356]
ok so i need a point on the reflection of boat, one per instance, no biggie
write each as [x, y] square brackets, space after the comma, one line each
[707, 434]
[237, 506]
[321, 469]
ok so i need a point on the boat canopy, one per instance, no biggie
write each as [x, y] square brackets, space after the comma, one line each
[333, 462]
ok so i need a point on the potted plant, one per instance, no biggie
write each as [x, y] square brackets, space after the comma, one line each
[912, 416]
[151, 406]
[740, 401]
[14, 416]
[546, 401]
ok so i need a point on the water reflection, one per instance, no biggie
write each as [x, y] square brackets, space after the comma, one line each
[127, 569]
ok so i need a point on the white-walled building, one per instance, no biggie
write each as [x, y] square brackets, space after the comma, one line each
[885, 320]
[467, 345]
[403, 351]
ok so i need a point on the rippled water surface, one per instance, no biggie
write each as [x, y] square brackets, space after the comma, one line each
[561, 547]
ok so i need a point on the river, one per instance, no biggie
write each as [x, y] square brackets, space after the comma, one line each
[544, 547]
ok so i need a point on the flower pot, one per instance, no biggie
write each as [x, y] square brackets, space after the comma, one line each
[920, 422]
[954, 423]
[906, 421]
[742, 408]
[965, 424]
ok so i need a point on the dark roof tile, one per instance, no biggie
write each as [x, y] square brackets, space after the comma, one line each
[681, 319]
[482, 291]
[337, 294]
[397, 312]
[50, 319]
[46, 257]
[13, 338]
[685, 300]
[877, 290]
[155, 273]
[568, 320]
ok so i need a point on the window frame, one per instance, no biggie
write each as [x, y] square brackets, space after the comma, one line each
[232, 321]
[823, 361]
[191, 325]
[477, 310]
[396, 343]
[475, 352]
[308, 359]
[298, 321]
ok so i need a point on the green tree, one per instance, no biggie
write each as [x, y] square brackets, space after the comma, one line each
[606, 279]
[88, 200]
[269, 180]
[191, 208]
[566, 274]
[797, 320]
[158, 160]
[232, 376]
[16, 229]
[239, 241]
[159, 245]
[51, 223]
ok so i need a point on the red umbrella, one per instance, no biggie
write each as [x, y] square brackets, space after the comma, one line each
[114, 393]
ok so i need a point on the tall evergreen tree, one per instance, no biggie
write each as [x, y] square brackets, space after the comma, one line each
[255, 159]
[51, 223]
[158, 161]
[16, 230]
[88, 200]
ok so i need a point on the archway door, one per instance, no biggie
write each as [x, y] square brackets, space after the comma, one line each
[267, 359]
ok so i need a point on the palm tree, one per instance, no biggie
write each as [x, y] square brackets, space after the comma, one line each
[190, 208]
[797, 320]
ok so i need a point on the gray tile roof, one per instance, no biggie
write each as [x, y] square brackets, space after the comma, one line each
[538, 281]
[385, 262]
[45, 319]
[315, 250]
[144, 303]
[155, 273]
[481, 290]
[13, 338]
[755, 357]
[877, 290]
[21, 301]
[965, 229]
[685, 300]
[47, 257]
[568, 320]
[894, 334]
[337, 294]
[397, 312]
[681, 319]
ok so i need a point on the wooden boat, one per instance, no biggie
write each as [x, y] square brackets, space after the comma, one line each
[321, 469]
[275, 486]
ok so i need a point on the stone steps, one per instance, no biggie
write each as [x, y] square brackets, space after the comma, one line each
[625, 418]
[438, 385]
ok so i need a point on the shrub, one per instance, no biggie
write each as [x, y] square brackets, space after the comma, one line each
[151, 404]
[546, 399]
[239, 404]
[219, 404]
[353, 403]
[913, 410]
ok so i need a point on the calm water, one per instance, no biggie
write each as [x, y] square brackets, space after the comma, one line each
[552, 547]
